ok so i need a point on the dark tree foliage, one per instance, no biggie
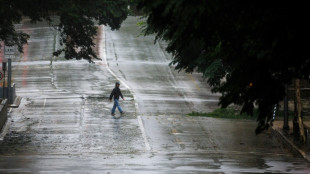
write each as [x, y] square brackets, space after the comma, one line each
[247, 50]
[77, 25]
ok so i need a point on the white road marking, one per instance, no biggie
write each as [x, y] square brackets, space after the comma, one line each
[146, 142]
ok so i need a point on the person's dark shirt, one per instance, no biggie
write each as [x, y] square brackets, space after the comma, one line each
[116, 93]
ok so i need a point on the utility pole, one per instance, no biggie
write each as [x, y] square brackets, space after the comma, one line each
[9, 82]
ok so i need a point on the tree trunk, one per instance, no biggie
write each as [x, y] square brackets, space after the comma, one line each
[295, 119]
[298, 101]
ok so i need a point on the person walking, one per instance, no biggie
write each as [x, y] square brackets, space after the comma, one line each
[116, 92]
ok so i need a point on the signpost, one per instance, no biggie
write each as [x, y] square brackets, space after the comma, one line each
[9, 53]
[3, 69]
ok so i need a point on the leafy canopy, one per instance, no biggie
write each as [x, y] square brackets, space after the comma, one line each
[77, 22]
[247, 50]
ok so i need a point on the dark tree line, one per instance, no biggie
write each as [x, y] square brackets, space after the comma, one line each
[247, 50]
[77, 22]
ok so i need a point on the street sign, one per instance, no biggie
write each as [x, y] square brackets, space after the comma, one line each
[9, 56]
[10, 49]
[9, 52]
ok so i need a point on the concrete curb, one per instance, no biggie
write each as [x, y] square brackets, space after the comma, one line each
[3, 113]
[16, 102]
[293, 148]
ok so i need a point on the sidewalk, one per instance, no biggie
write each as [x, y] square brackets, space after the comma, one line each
[288, 138]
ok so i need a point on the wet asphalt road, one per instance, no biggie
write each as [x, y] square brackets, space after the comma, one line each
[158, 88]
[63, 124]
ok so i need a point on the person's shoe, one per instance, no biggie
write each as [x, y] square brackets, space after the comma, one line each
[122, 113]
[113, 114]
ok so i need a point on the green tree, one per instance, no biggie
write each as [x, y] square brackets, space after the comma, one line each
[247, 50]
[77, 22]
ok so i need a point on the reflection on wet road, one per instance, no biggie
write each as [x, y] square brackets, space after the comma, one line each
[63, 124]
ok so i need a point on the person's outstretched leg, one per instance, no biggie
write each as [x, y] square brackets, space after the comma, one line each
[118, 106]
[114, 107]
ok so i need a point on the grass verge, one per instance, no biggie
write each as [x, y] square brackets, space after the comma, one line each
[225, 113]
